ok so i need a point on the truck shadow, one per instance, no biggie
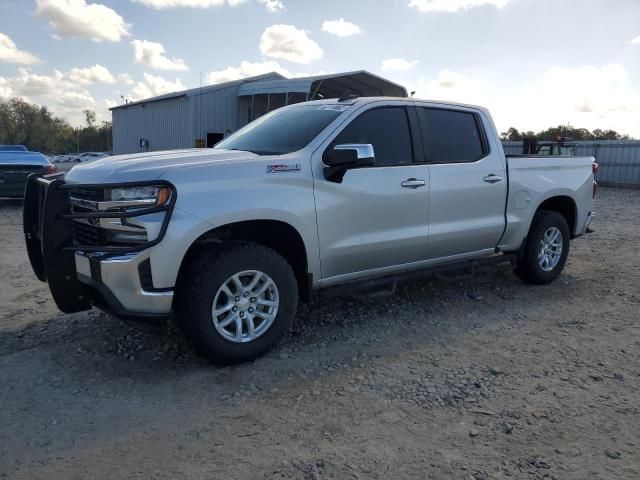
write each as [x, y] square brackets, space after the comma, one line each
[333, 327]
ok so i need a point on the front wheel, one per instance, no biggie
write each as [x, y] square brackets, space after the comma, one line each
[236, 302]
[545, 250]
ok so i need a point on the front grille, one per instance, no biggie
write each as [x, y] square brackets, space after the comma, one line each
[86, 234]
[86, 231]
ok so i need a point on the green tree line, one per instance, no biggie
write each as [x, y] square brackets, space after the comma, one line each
[35, 127]
[564, 131]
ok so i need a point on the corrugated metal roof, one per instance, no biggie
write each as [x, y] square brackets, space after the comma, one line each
[359, 81]
[202, 90]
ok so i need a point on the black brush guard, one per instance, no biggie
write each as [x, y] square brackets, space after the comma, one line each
[48, 234]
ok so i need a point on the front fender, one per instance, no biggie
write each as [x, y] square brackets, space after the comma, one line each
[205, 203]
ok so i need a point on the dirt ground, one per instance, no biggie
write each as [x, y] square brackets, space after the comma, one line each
[474, 379]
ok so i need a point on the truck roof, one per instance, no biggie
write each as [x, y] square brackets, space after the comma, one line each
[365, 100]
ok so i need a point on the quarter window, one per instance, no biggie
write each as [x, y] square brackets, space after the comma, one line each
[387, 129]
[451, 136]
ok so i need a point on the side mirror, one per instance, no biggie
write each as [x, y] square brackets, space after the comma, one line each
[345, 157]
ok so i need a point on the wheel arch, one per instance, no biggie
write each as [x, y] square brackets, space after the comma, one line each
[565, 206]
[275, 234]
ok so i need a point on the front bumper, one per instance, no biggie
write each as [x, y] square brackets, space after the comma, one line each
[587, 224]
[115, 279]
[124, 284]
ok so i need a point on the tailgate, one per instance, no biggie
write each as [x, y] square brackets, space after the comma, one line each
[46, 233]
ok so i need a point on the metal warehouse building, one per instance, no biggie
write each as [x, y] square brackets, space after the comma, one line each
[201, 117]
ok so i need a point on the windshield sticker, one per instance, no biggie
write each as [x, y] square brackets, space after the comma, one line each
[279, 168]
[336, 108]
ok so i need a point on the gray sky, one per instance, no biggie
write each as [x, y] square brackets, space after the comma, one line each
[534, 63]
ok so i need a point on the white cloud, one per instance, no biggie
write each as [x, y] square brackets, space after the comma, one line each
[77, 18]
[602, 89]
[449, 79]
[5, 89]
[153, 85]
[589, 96]
[152, 55]
[398, 64]
[165, 4]
[61, 92]
[10, 53]
[635, 41]
[452, 6]
[251, 69]
[28, 84]
[246, 69]
[289, 43]
[76, 101]
[340, 27]
[125, 78]
[272, 5]
[89, 75]
[452, 86]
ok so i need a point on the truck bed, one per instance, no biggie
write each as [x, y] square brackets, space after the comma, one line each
[535, 178]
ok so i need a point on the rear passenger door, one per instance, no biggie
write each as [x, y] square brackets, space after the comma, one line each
[468, 188]
[376, 217]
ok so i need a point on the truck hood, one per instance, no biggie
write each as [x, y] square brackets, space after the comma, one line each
[149, 166]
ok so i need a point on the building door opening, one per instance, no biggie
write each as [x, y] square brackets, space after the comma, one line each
[213, 138]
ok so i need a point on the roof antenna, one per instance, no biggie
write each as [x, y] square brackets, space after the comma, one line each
[413, 93]
[347, 95]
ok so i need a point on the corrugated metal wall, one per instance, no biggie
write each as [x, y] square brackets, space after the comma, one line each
[214, 111]
[166, 124]
[619, 160]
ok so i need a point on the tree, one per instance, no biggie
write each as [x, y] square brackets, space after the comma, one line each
[564, 131]
[90, 117]
[35, 127]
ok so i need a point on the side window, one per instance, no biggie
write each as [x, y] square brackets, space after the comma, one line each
[451, 136]
[387, 129]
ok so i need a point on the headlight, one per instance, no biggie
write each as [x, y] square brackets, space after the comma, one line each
[151, 195]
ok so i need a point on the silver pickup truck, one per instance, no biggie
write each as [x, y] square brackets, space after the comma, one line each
[355, 193]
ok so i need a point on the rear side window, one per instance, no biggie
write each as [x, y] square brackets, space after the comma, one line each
[387, 129]
[451, 136]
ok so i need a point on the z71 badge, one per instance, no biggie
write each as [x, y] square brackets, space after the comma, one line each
[280, 168]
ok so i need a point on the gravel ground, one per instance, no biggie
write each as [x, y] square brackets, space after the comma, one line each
[484, 378]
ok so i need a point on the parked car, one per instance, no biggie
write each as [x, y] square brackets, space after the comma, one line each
[13, 148]
[352, 194]
[89, 157]
[16, 166]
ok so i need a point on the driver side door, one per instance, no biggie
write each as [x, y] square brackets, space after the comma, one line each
[376, 219]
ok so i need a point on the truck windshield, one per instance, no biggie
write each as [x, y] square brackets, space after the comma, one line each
[283, 131]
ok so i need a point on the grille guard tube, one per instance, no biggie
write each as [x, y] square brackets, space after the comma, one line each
[45, 234]
[47, 227]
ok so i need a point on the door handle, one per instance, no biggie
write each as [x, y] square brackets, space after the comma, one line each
[493, 178]
[413, 183]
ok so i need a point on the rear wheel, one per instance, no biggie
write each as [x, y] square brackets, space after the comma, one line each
[546, 249]
[236, 302]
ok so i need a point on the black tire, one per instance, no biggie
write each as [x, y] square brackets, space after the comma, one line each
[529, 269]
[206, 273]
